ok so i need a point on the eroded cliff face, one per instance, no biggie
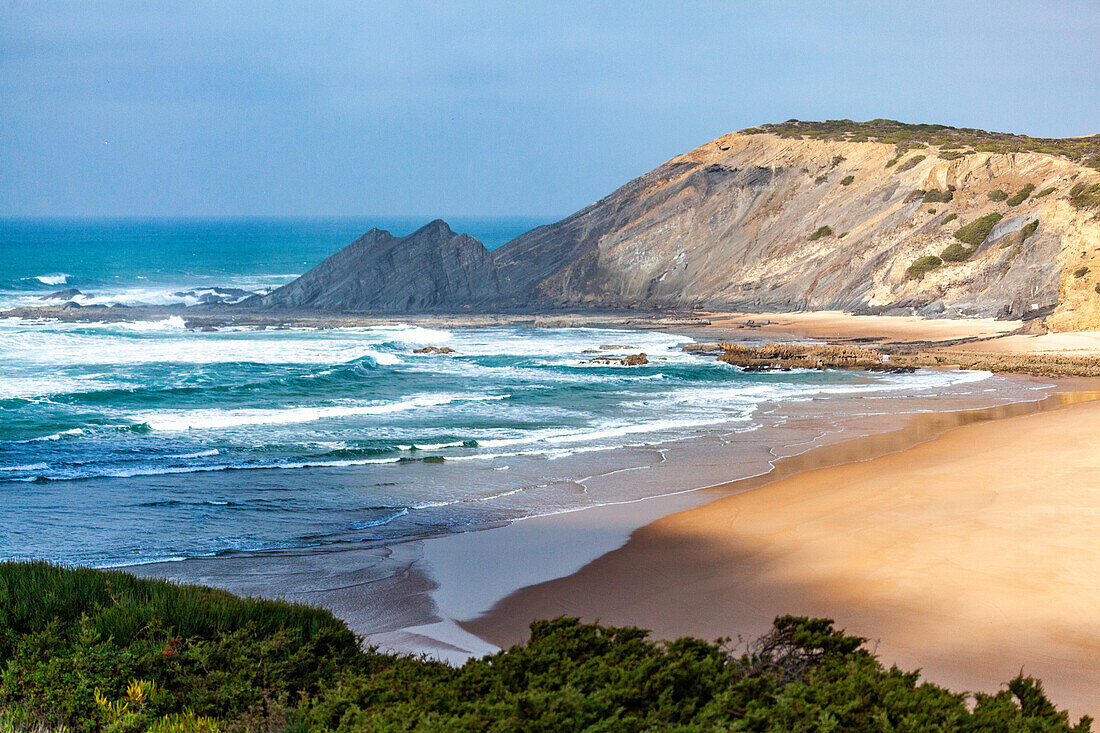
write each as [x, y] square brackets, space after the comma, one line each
[733, 223]
[758, 221]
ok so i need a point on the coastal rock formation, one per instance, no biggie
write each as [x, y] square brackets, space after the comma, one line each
[66, 294]
[431, 269]
[867, 217]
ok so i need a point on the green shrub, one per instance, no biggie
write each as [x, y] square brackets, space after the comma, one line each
[842, 235]
[1080, 272]
[952, 141]
[910, 163]
[949, 218]
[1045, 192]
[936, 196]
[824, 231]
[893, 160]
[931, 210]
[997, 195]
[1097, 288]
[956, 252]
[64, 633]
[1028, 230]
[922, 265]
[258, 665]
[976, 231]
[837, 160]
[821, 179]
[1022, 195]
[847, 180]
[1084, 196]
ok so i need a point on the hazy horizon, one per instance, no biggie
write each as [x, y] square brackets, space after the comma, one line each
[351, 110]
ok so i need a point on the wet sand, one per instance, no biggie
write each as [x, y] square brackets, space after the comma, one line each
[971, 555]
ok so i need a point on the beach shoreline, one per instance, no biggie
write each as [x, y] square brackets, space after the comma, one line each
[432, 586]
[958, 571]
[466, 594]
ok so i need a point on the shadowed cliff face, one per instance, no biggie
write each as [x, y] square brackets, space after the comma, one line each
[431, 269]
[759, 221]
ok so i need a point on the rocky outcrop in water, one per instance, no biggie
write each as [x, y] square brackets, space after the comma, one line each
[771, 219]
[431, 269]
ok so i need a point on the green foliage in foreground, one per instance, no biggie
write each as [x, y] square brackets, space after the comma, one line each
[106, 651]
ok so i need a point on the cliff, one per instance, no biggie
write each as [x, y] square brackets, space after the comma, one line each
[431, 269]
[867, 217]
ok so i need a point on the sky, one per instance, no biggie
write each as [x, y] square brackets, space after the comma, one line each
[123, 108]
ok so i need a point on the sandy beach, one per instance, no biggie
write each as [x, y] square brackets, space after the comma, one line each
[971, 556]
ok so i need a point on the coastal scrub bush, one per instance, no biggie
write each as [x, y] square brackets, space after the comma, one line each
[847, 180]
[1028, 230]
[910, 163]
[956, 252]
[1045, 192]
[936, 196]
[922, 265]
[1080, 272]
[949, 218]
[1022, 195]
[204, 660]
[952, 141]
[976, 231]
[819, 233]
[68, 636]
[1084, 196]
[997, 195]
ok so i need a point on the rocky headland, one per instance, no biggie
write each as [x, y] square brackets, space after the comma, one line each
[875, 217]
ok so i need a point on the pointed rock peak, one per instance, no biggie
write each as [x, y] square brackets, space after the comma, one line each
[437, 227]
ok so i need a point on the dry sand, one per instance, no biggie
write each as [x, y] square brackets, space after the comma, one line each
[837, 325]
[970, 556]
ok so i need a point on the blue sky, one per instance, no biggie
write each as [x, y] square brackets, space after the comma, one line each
[483, 109]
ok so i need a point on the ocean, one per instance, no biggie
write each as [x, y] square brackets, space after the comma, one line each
[138, 442]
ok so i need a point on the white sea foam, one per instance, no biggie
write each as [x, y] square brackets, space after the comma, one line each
[199, 454]
[170, 323]
[367, 524]
[27, 467]
[54, 278]
[200, 419]
[53, 436]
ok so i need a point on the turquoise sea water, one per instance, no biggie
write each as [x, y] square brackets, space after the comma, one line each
[150, 260]
[142, 441]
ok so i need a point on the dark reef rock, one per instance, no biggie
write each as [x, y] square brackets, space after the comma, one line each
[66, 294]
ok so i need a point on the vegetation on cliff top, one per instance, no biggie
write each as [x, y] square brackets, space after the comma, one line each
[960, 140]
[106, 651]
